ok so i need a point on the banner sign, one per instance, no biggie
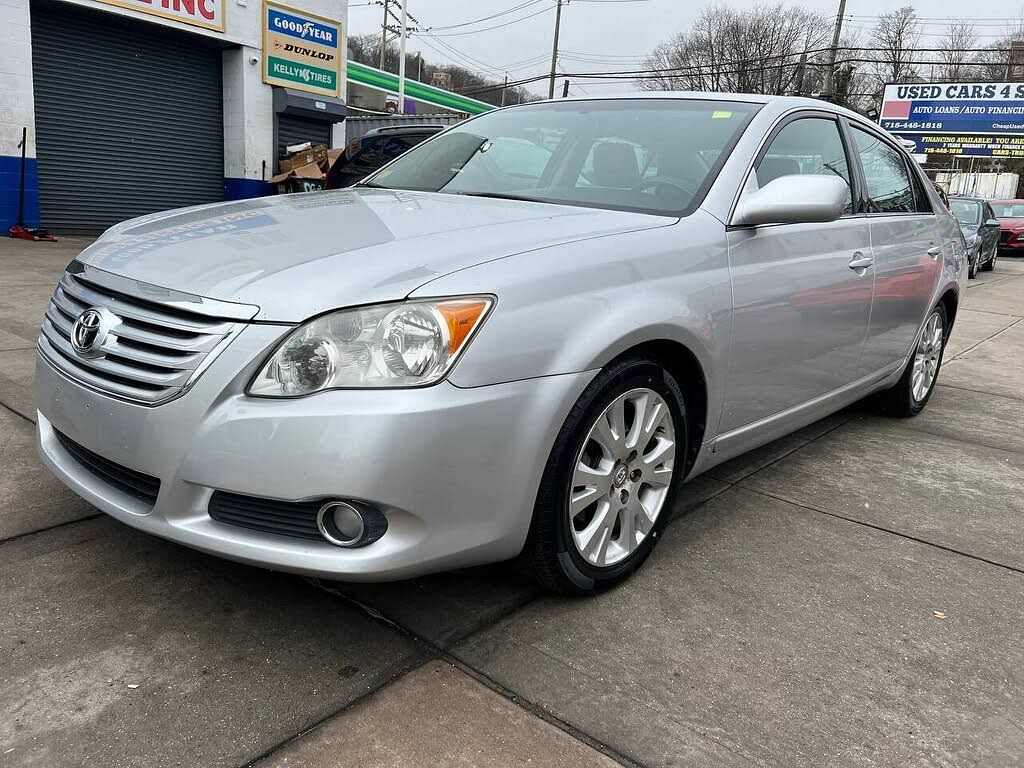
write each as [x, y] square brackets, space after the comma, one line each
[967, 145]
[199, 13]
[969, 119]
[301, 50]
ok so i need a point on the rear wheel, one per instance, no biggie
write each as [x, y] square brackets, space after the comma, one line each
[910, 395]
[610, 481]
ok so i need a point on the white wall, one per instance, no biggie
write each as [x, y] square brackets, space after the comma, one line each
[16, 107]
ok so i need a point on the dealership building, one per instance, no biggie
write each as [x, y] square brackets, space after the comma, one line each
[133, 106]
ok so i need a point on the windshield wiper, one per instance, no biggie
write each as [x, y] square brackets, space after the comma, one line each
[501, 196]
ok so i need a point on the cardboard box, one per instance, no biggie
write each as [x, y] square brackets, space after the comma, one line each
[306, 178]
[317, 155]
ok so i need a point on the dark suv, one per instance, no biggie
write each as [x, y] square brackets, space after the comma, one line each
[370, 151]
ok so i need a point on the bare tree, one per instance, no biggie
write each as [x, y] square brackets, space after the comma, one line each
[895, 39]
[957, 51]
[766, 49]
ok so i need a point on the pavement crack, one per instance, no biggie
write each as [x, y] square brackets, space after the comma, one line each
[437, 651]
[53, 527]
[17, 413]
[960, 354]
[883, 529]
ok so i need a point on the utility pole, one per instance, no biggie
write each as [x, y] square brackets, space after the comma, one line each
[554, 48]
[830, 70]
[384, 35]
[401, 61]
[504, 87]
[801, 70]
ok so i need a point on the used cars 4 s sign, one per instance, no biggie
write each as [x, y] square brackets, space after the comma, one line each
[301, 50]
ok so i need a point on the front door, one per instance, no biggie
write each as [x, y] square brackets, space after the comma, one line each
[801, 310]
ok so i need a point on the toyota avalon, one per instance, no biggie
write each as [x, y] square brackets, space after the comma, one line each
[518, 340]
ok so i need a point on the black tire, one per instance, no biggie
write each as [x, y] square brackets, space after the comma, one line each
[899, 401]
[972, 266]
[989, 265]
[550, 556]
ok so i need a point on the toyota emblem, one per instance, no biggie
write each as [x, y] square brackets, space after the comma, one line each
[90, 331]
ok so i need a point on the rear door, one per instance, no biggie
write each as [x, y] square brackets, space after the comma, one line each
[906, 245]
[800, 309]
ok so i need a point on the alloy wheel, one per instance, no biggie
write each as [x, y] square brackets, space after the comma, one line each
[621, 477]
[926, 357]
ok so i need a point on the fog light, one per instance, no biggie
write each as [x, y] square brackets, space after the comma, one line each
[340, 523]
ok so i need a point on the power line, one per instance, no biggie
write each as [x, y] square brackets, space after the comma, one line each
[497, 26]
[492, 16]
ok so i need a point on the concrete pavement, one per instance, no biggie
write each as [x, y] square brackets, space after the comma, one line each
[849, 595]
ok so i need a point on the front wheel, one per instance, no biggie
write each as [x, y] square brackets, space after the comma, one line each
[991, 263]
[910, 395]
[972, 266]
[610, 481]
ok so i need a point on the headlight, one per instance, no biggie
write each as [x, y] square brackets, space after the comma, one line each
[408, 344]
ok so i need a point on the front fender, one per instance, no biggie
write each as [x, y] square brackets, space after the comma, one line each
[574, 307]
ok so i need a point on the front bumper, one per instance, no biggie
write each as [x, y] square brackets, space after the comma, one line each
[455, 470]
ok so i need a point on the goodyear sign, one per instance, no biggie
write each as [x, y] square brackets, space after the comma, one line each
[301, 50]
[962, 119]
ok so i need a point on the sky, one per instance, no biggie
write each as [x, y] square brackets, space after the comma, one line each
[606, 35]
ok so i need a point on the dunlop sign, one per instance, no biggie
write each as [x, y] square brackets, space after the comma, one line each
[301, 50]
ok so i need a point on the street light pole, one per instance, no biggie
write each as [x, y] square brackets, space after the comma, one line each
[830, 70]
[401, 62]
[554, 49]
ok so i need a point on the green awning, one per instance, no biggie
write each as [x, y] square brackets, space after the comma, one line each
[385, 81]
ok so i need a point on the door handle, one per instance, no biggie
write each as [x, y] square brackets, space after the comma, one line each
[860, 261]
[934, 252]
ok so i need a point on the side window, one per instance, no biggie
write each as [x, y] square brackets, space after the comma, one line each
[810, 145]
[921, 202]
[885, 173]
[989, 214]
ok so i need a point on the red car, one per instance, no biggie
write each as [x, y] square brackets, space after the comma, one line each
[1011, 226]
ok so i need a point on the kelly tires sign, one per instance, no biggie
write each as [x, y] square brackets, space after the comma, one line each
[963, 119]
[301, 50]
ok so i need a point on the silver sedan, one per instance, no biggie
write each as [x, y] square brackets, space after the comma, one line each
[518, 340]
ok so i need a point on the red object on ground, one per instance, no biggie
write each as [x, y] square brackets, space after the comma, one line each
[21, 232]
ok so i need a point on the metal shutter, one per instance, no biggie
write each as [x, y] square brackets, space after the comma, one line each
[128, 118]
[295, 130]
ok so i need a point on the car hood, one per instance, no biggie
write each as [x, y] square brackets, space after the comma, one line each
[295, 256]
[1010, 225]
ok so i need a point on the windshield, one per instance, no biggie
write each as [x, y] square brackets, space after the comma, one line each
[649, 155]
[966, 211]
[1008, 210]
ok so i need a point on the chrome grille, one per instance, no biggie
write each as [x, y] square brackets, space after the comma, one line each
[159, 344]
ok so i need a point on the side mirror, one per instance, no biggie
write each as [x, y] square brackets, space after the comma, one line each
[793, 200]
[991, 223]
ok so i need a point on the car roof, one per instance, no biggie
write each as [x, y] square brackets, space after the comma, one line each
[969, 199]
[1013, 200]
